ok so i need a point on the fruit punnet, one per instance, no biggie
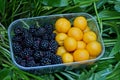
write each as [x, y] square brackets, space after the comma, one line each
[77, 42]
[46, 45]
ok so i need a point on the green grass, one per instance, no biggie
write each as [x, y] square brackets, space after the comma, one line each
[107, 15]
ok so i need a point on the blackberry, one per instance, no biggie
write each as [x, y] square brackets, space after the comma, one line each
[18, 30]
[52, 36]
[17, 38]
[45, 61]
[32, 29]
[30, 62]
[17, 48]
[56, 59]
[44, 44]
[48, 54]
[26, 53]
[38, 55]
[40, 31]
[25, 32]
[49, 28]
[37, 39]
[45, 36]
[28, 41]
[23, 63]
[30, 58]
[53, 45]
[18, 59]
[36, 45]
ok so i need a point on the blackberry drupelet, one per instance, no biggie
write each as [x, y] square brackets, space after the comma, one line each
[44, 44]
[53, 45]
[49, 28]
[56, 59]
[16, 48]
[38, 55]
[40, 31]
[45, 61]
[26, 53]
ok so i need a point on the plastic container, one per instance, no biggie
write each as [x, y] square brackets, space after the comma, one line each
[92, 23]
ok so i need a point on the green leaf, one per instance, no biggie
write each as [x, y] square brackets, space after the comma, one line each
[100, 75]
[2, 6]
[117, 56]
[116, 48]
[24, 77]
[48, 77]
[79, 1]
[7, 77]
[108, 15]
[27, 74]
[55, 3]
[14, 76]
[100, 3]
[82, 76]
[117, 7]
[115, 27]
[87, 75]
[117, 66]
[4, 73]
[114, 75]
[20, 74]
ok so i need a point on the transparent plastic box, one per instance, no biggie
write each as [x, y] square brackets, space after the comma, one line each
[25, 22]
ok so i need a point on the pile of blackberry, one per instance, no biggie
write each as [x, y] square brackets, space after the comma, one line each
[35, 46]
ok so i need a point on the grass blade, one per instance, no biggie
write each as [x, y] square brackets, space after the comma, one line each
[59, 77]
[3, 73]
[67, 75]
[99, 20]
